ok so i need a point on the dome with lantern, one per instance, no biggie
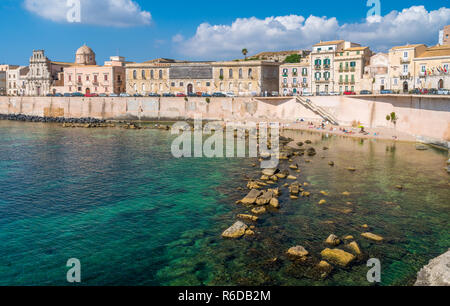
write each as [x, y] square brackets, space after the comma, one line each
[85, 56]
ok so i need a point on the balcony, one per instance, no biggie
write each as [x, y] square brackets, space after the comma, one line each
[326, 67]
[405, 60]
[322, 80]
[405, 76]
[304, 85]
[317, 67]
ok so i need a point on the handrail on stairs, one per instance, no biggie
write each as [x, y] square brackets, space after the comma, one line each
[318, 110]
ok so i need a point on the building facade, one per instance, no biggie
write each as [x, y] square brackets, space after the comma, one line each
[86, 77]
[295, 78]
[376, 74]
[432, 68]
[2, 83]
[162, 76]
[16, 81]
[444, 36]
[401, 67]
[349, 68]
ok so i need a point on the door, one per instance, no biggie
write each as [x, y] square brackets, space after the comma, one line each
[190, 89]
[88, 91]
[405, 87]
[441, 84]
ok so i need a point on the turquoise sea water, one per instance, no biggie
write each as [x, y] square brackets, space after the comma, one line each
[133, 215]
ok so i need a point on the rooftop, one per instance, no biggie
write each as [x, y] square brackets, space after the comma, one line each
[436, 51]
[326, 43]
[407, 46]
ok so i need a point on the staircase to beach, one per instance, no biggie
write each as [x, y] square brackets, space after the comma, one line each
[317, 110]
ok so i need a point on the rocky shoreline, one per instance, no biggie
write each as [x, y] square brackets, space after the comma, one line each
[25, 118]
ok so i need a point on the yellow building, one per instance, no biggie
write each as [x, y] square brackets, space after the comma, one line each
[349, 68]
[239, 78]
[432, 68]
[401, 67]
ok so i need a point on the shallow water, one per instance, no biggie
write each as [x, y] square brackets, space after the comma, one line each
[118, 201]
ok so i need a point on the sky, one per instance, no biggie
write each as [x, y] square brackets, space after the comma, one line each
[208, 30]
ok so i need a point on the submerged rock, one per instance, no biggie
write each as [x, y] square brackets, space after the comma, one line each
[265, 198]
[294, 188]
[269, 172]
[298, 251]
[354, 247]
[274, 203]
[237, 230]
[372, 237]
[346, 193]
[331, 163]
[291, 177]
[259, 210]
[351, 169]
[324, 269]
[337, 256]
[294, 166]
[248, 217]
[253, 185]
[436, 273]
[333, 240]
[251, 197]
[321, 202]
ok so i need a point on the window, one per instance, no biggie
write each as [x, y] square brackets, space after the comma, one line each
[294, 80]
[181, 84]
[208, 84]
[134, 74]
[70, 77]
[250, 73]
[106, 77]
[240, 73]
[143, 74]
[152, 74]
[172, 84]
[317, 76]
[285, 71]
[87, 78]
[405, 68]
[221, 73]
[304, 80]
[79, 79]
[230, 73]
[294, 71]
[160, 74]
[352, 64]
[395, 81]
[304, 71]
[95, 79]
[405, 54]
[285, 81]
[422, 68]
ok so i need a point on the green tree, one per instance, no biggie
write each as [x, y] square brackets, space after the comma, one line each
[293, 58]
[245, 52]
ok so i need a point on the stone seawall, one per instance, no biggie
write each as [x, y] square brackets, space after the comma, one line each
[427, 117]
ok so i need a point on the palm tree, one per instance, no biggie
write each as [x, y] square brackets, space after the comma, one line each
[244, 52]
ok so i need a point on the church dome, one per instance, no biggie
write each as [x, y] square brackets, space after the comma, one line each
[85, 56]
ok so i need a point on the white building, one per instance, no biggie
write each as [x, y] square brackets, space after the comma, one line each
[16, 80]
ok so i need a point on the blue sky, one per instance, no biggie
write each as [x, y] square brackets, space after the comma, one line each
[207, 30]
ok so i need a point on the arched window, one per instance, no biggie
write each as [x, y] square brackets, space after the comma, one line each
[240, 73]
[250, 73]
[134, 74]
[160, 74]
[152, 75]
[230, 73]
[143, 74]
[221, 73]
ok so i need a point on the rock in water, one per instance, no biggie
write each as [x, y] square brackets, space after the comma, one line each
[333, 240]
[251, 197]
[265, 198]
[337, 256]
[436, 273]
[248, 217]
[274, 203]
[298, 251]
[269, 172]
[259, 210]
[354, 247]
[237, 230]
[294, 188]
[311, 152]
[372, 237]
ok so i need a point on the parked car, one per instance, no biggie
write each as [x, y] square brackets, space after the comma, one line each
[67, 94]
[77, 94]
[386, 92]
[113, 95]
[103, 95]
[154, 95]
[219, 94]
[365, 92]
[230, 95]
[349, 93]
[180, 94]
[443, 92]
[323, 93]
[137, 95]
[49, 95]
[192, 94]
[433, 91]
[168, 95]
[91, 95]
[334, 93]
[58, 95]
[307, 94]
[124, 94]
[206, 95]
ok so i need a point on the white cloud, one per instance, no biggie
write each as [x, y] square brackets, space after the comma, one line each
[411, 25]
[116, 13]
